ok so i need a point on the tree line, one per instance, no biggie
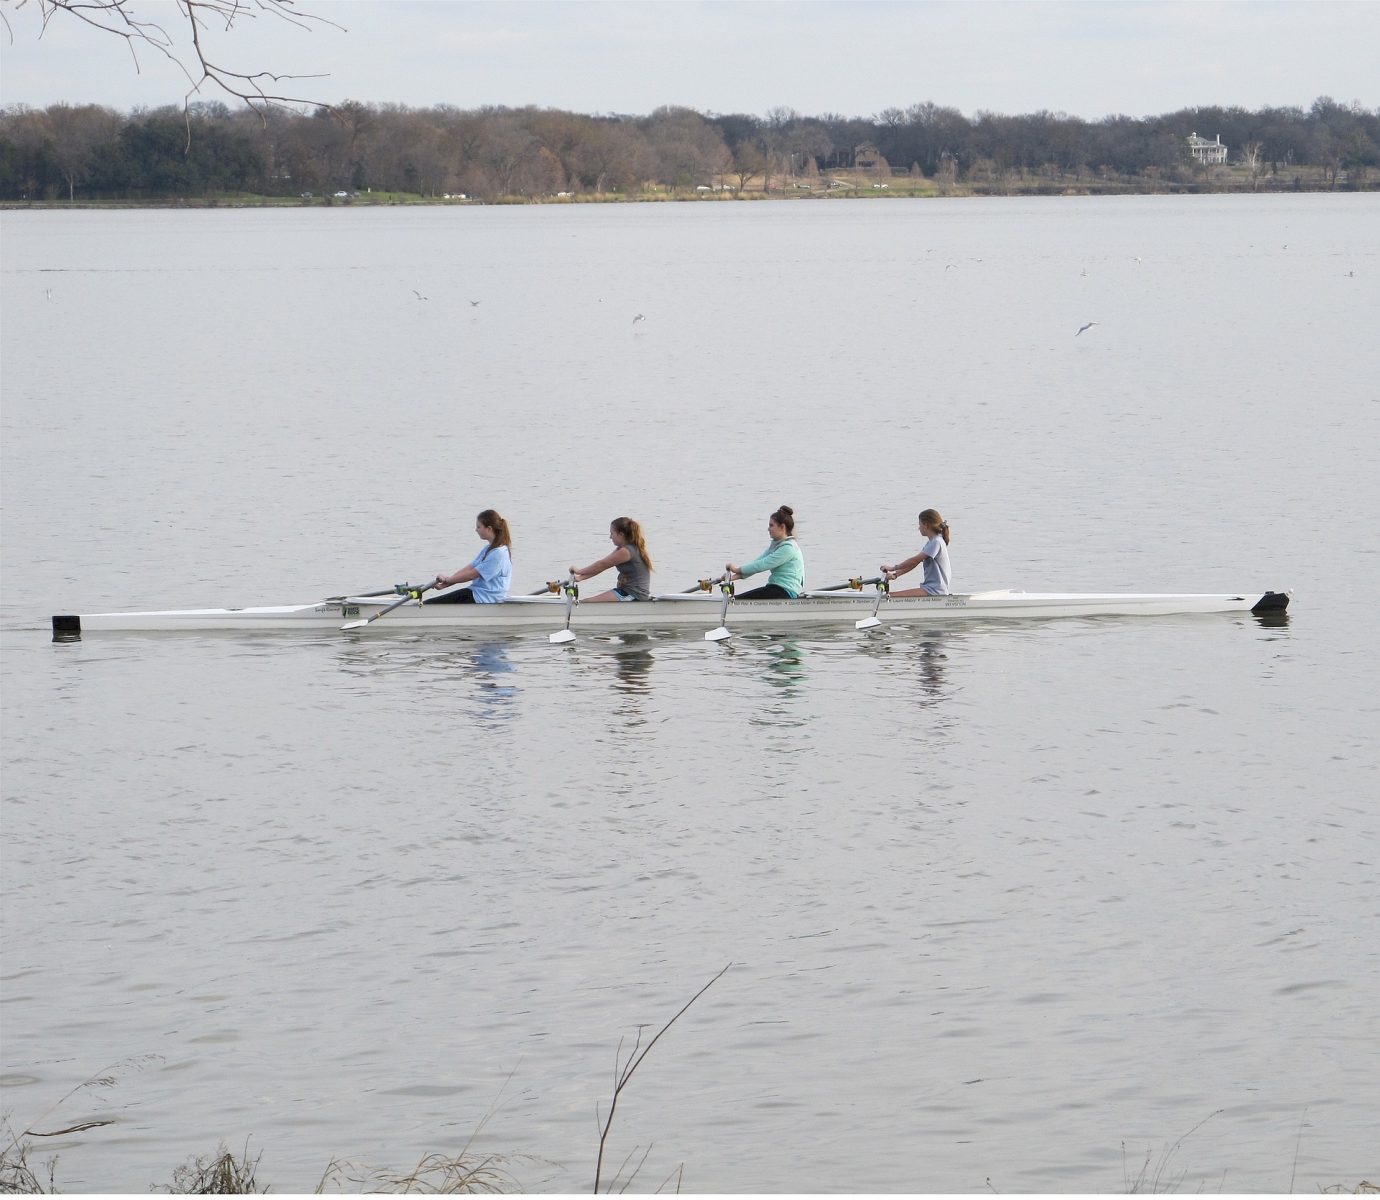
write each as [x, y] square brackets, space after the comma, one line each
[89, 152]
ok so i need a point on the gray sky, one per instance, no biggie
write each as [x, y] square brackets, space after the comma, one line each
[855, 57]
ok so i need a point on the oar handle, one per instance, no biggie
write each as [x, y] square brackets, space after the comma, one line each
[857, 583]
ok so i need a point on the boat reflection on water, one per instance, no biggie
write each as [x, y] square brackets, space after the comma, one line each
[438, 669]
[1272, 618]
[927, 659]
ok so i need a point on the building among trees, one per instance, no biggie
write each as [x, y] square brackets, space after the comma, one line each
[1206, 152]
[868, 159]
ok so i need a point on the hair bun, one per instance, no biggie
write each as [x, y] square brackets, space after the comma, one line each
[787, 509]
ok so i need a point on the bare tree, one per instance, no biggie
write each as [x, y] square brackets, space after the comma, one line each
[775, 126]
[508, 147]
[1253, 159]
[188, 44]
[75, 136]
[688, 150]
[748, 160]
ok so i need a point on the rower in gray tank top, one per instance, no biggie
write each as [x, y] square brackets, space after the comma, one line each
[634, 579]
[632, 560]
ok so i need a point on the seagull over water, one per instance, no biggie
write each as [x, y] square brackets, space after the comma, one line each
[418, 294]
[476, 303]
[638, 318]
[1089, 325]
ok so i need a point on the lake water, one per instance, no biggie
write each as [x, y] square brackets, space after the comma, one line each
[1014, 906]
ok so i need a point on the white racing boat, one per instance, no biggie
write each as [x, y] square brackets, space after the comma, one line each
[562, 617]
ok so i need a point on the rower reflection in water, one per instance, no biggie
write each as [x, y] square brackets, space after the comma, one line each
[629, 555]
[786, 675]
[490, 572]
[934, 554]
[782, 558]
[923, 665]
[490, 662]
[633, 665]
[786, 658]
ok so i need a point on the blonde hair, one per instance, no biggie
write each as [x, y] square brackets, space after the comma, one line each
[931, 517]
[632, 531]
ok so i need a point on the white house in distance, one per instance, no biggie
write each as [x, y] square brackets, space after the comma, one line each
[1204, 151]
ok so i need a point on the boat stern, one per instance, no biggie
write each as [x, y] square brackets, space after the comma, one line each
[1270, 602]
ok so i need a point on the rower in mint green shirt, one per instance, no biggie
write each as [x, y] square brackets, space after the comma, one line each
[782, 558]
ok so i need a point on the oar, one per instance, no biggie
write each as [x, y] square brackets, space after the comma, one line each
[856, 585]
[414, 593]
[883, 588]
[723, 631]
[572, 597]
[395, 590]
[701, 585]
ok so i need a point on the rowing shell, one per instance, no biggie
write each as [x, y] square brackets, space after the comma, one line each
[546, 613]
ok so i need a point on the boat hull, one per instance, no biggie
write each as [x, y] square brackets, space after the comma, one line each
[547, 614]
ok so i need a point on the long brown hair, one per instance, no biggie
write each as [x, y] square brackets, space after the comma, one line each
[631, 530]
[785, 517]
[931, 517]
[491, 520]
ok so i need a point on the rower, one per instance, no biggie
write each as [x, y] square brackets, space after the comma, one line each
[934, 554]
[490, 572]
[782, 558]
[629, 555]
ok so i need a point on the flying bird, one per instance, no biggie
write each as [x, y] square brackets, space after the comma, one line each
[418, 294]
[638, 318]
[1089, 325]
[476, 303]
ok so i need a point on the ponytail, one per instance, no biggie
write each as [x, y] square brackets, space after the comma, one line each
[491, 520]
[631, 530]
[931, 517]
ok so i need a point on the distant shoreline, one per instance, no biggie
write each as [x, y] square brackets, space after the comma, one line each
[901, 188]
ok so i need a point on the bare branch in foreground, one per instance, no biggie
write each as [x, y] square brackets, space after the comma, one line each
[625, 1073]
[257, 89]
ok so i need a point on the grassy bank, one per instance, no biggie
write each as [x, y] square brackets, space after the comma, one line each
[994, 182]
[225, 1173]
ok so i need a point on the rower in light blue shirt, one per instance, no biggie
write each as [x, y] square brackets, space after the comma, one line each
[489, 574]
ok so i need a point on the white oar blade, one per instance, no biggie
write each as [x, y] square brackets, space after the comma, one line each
[563, 636]
[718, 635]
[354, 624]
[867, 623]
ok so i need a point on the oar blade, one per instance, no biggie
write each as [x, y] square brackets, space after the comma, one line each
[354, 625]
[564, 635]
[867, 623]
[723, 633]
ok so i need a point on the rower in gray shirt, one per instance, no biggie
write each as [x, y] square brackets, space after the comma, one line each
[630, 556]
